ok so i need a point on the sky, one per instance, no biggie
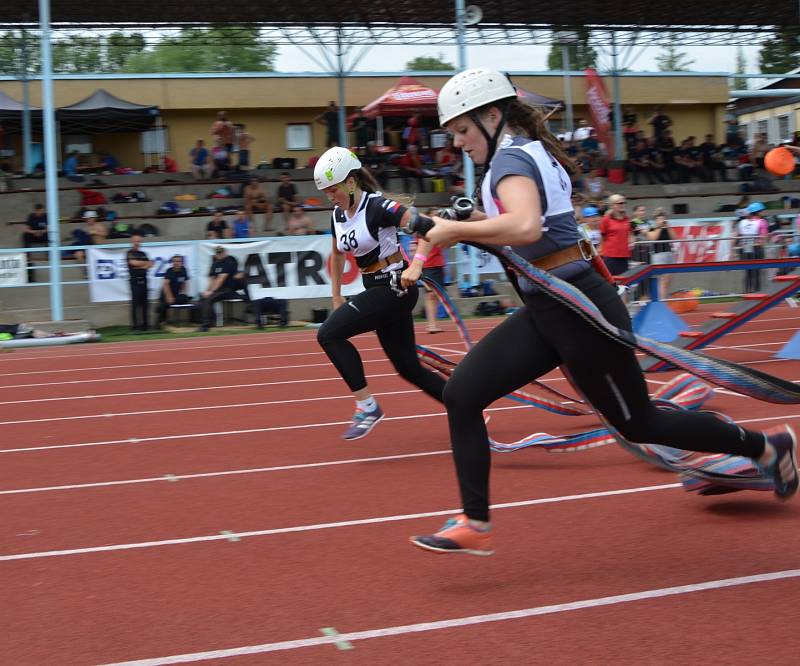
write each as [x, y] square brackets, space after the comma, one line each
[514, 58]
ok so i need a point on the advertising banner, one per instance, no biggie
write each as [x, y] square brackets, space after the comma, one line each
[13, 269]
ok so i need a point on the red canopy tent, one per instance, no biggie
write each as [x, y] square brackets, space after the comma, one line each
[405, 97]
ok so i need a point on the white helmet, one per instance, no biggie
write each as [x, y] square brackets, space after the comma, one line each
[472, 89]
[334, 166]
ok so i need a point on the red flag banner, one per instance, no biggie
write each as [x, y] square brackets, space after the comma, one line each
[597, 97]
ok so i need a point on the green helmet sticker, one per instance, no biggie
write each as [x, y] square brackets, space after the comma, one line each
[329, 174]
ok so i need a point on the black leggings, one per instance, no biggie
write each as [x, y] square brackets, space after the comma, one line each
[544, 335]
[382, 310]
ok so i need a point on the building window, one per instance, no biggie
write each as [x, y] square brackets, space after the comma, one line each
[80, 142]
[762, 127]
[784, 133]
[298, 136]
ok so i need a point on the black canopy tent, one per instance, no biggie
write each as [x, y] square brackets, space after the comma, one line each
[103, 113]
[11, 115]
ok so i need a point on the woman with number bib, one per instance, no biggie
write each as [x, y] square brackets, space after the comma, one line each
[364, 224]
[526, 196]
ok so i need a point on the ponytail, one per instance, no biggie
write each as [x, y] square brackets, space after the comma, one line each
[367, 183]
[521, 116]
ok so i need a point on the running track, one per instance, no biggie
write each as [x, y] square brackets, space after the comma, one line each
[190, 501]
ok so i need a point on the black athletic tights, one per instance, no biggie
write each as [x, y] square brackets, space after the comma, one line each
[390, 315]
[538, 338]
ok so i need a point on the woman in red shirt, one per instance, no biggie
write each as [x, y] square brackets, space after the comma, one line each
[617, 235]
[433, 269]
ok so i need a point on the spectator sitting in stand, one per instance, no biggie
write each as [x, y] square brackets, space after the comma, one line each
[222, 159]
[256, 200]
[299, 224]
[591, 144]
[639, 162]
[97, 231]
[629, 126]
[712, 159]
[221, 286]
[656, 161]
[173, 289]
[666, 146]
[375, 162]
[217, 228]
[241, 225]
[170, 165]
[286, 196]
[34, 234]
[70, 167]
[760, 148]
[108, 163]
[687, 158]
[200, 161]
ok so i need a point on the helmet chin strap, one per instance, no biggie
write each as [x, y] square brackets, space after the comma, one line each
[491, 140]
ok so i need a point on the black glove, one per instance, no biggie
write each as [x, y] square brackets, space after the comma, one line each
[418, 224]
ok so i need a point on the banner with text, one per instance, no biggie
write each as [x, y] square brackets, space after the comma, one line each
[705, 242]
[284, 267]
[108, 271]
[600, 108]
[13, 269]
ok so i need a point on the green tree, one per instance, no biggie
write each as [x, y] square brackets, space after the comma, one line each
[429, 64]
[672, 59]
[215, 49]
[581, 53]
[13, 48]
[780, 54]
[120, 47]
[740, 83]
[78, 54]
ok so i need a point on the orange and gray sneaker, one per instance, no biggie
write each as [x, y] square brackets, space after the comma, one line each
[457, 536]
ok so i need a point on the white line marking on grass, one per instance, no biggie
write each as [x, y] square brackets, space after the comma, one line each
[327, 526]
[452, 623]
[293, 401]
[232, 472]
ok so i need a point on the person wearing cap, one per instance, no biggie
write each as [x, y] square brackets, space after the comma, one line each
[222, 285]
[138, 264]
[526, 195]
[618, 238]
[751, 237]
[364, 225]
[95, 227]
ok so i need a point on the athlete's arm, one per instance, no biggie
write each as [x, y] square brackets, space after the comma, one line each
[520, 224]
[337, 268]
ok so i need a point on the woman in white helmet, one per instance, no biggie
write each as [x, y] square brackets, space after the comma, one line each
[526, 196]
[364, 224]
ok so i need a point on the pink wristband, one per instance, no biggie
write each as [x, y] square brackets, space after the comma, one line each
[422, 257]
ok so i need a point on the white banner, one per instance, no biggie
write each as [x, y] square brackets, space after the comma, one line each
[13, 269]
[285, 267]
[108, 271]
[705, 245]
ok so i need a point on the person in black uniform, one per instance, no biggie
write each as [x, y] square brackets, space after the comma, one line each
[173, 290]
[364, 224]
[222, 285]
[138, 263]
[526, 195]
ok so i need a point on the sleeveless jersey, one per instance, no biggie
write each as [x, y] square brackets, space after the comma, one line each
[520, 156]
[371, 234]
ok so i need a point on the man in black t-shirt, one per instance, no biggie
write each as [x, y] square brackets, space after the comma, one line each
[34, 235]
[138, 263]
[330, 118]
[217, 228]
[711, 159]
[173, 291]
[660, 122]
[222, 285]
[287, 196]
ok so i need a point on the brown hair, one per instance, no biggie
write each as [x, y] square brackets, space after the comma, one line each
[521, 116]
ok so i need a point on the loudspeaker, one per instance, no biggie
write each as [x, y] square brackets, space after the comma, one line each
[284, 163]
[319, 315]
[680, 209]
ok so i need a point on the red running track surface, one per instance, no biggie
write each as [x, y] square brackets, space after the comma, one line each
[193, 498]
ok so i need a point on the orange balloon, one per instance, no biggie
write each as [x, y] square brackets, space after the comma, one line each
[779, 161]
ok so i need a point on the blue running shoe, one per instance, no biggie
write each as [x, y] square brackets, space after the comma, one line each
[783, 471]
[363, 423]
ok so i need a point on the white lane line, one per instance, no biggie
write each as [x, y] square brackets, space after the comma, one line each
[109, 415]
[452, 623]
[183, 390]
[327, 526]
[304, 426]
[187, 362]
[232, 472]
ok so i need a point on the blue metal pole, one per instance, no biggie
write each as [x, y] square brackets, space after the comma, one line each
[340, 76]
[469, 167]
[51, 165]
[618, 153]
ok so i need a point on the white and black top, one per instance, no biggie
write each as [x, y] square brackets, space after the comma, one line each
[371, 234]
[520, 156]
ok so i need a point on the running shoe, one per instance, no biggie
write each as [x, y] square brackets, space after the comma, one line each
[783, 471]
[457, 536]
[363, 423]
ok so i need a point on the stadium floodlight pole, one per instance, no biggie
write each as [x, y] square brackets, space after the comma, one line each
[566, 39]
[50, 165]
[340, 73]
[469, 167]
[27, 167]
